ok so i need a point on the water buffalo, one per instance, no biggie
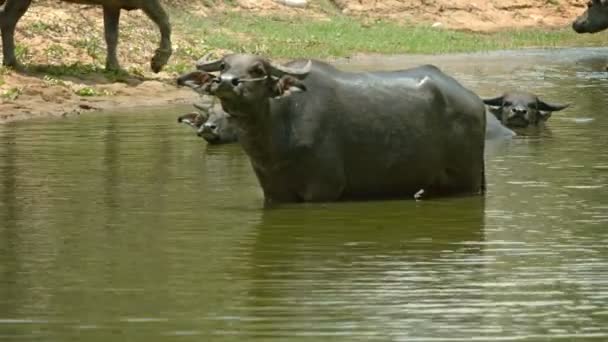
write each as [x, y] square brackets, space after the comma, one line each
[594, 19]
[12, 10]
[221, 125]
[521, 109]
[315, 133]
[211, 123]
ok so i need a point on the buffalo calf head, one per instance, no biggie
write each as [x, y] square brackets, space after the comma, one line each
[211, 124]
[520, 109]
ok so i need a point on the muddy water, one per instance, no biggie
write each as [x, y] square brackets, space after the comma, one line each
[119, 227]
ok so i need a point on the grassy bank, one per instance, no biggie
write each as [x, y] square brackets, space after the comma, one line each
[343, 36]
[74, 47]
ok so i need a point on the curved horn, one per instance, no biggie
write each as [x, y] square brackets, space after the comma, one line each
[205, 65]
[548, 107]
[298, 72]
[495, 101]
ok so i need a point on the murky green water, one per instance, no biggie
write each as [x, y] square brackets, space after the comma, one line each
[128, 228]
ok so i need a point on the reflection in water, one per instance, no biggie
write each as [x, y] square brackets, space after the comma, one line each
[129, 227]
[389, 273]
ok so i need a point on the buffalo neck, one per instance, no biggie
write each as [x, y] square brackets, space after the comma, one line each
[255, 126]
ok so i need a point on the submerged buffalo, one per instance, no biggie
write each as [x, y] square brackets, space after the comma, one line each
[12, 10]
[211, 123]
[315, 133]
[216, 128]
[594, 19]
[520, 109]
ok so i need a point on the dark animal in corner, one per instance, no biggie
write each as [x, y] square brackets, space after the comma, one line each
[594, 19]
[521, 109]
[12, 10]
[211, 123]
[315, 133]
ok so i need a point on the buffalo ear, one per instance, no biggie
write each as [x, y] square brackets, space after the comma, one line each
[198, 81]
[287, 85]
[191, 119]
[495, 101]
[548, 107]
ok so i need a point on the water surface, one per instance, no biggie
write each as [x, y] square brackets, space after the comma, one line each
[126, 226]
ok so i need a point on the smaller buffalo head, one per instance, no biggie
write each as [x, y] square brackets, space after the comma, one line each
[211, 124]
[594, 19]
[245, 79]
[518, 109]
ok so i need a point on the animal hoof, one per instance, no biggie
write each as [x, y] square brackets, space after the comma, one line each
[18, 67]
[160, 59]
[114, 67]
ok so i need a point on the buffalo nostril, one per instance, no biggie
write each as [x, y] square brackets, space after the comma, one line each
[235, 81]
[212, 126]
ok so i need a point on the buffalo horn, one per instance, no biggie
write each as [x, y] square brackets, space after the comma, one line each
[299, 72]
[205, 65]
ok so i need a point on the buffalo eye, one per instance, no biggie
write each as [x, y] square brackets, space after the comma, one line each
[507, 104]
[222, 66]
[257, 70]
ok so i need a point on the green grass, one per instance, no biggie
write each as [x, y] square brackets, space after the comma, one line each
[92, 45]
[343, 36]
[288, 37]
[80, 70]
[11, 94]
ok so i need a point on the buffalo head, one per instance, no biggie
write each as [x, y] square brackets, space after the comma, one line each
[211, 124]
[245, 78]
[518, 109]
[594, 19]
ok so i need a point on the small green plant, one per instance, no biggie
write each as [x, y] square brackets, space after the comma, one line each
[12, 94]
[39, 27]
[22, 53]
[50, 80]
[92, 45]
[86, 91]
[90, 91]
[137, 71]
[55, 51]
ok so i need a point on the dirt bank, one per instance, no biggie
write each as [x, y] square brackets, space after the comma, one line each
[63, 45]
[472, 15]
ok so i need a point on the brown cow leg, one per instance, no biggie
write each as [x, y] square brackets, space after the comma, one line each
[111, 18]
[157, 14]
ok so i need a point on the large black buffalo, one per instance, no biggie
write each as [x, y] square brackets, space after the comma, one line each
[315, 133]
